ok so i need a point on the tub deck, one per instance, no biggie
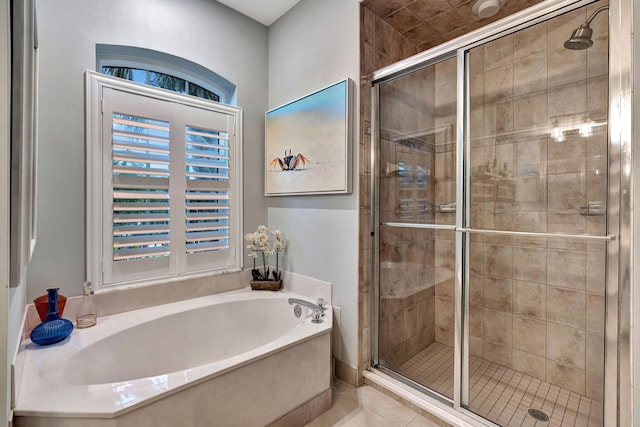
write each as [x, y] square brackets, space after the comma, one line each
[254, 387]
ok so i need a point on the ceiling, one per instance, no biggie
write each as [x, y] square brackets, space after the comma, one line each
[428, 23]
[264, 11]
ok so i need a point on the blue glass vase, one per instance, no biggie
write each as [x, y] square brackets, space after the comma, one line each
[53, 329]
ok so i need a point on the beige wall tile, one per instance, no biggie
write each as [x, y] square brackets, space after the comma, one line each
[529, 335]
[444, 335]
[496, 353]
[530, 75]
[498, 118]
[497, 293]
[529, 364]
[562, 71]
[446, 288]
[598, 57]
[475, 346]
[594, 387]
[595, 271]
[446, 71]
[530, 299]
[566, 268]
[566, 191]
[498, 53]
[497, 327]
[444, 312]
[530, 194]
[384, 335]
[498, 260]
[595, 312]
[476, 289]
[410, 322]
[426, 313]
[396, 329]
[566, 345]
[594, 359]
[566, 377]
[598, 95]
[530, 111]
[566, 306]
[530, 264]
[568, 99]
[476, 97]
[531, 41]
[475, 321]
[566, 222]
[498, 84]
[445, 254]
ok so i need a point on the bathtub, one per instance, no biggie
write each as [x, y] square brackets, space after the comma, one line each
[237, 358]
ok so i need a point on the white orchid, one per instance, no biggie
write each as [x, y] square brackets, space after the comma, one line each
[258, 242]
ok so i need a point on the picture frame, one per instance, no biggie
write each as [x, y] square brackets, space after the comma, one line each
[308, 143]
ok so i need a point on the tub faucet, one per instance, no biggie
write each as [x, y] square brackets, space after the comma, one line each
[318, 308]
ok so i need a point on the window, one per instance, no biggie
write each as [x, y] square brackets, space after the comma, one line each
[161, 80]
[163, 70]
[164, 183]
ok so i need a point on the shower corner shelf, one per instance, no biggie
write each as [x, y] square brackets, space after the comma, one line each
[592, 211]
[445, 208]
[494, 176]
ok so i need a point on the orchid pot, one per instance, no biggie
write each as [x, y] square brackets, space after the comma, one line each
[260, 248]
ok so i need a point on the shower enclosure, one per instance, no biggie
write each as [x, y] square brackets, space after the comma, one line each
[496, 217]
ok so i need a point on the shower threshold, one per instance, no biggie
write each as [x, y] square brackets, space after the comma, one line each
[501, 394]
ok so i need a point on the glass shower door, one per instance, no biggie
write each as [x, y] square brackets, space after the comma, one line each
[537, 229]
[417, 210]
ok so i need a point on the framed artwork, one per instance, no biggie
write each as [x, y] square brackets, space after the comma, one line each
[307, 147]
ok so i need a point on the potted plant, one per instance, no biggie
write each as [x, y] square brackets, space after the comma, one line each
[260, 246]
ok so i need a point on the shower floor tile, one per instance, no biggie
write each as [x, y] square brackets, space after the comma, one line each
[503, 395]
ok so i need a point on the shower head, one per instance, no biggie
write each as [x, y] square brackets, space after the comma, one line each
[581, 37]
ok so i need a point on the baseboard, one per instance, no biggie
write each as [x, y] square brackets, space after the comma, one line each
[346, 373]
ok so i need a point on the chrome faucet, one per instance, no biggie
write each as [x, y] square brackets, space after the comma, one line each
[318, 308]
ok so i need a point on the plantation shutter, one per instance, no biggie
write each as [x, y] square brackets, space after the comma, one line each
[208, 138]
[140, 172]
[136, 195]
[167, 188]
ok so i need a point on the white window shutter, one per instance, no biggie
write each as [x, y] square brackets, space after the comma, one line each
[169, 202]
[140, 174]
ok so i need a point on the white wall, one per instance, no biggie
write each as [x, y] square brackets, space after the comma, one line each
[313, 45]
[201, 31]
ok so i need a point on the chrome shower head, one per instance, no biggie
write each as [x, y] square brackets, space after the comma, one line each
[581, 37]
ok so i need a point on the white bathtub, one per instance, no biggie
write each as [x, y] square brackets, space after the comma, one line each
[238, 358]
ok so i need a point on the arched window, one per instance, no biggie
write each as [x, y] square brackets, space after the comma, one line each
[161, 80]
[164, 169]
[165, 71]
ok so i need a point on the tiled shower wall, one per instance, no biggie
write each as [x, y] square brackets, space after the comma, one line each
[380, 45]
[537, 305]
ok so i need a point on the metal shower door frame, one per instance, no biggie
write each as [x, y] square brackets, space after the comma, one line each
[618, 310]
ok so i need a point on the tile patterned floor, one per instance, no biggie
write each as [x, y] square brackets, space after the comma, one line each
[367, 407]
[503, 395]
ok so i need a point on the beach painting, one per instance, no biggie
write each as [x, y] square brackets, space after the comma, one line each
[307, 144]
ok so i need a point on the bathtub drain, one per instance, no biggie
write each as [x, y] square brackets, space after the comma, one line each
[538, 415]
